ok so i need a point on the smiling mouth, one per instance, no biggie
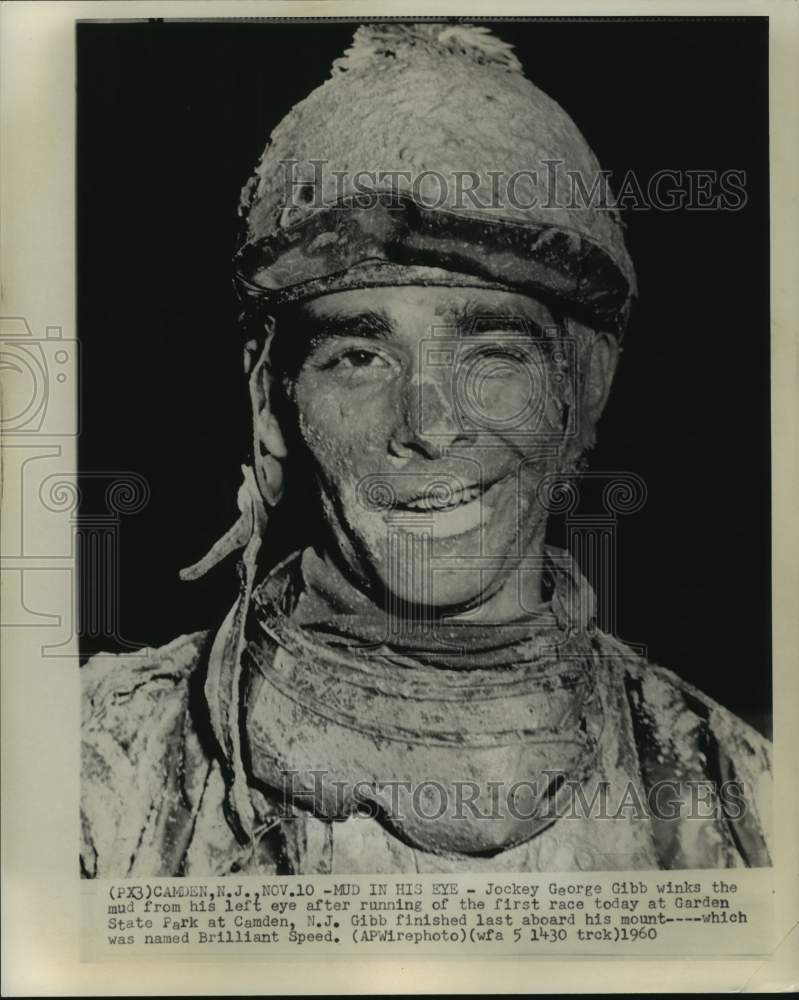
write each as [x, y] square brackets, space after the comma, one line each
[448, 513]
[439, 501]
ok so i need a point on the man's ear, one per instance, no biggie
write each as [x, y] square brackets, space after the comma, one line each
[269, 446]
[602, 360]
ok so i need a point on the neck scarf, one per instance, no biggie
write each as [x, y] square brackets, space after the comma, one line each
[324, 682]
[315, 597]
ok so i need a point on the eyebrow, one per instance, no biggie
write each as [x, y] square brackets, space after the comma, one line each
[472, 318]
[372, 324]
[469, 318]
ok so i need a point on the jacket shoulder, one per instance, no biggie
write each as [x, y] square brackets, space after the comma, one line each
[683, 733]
[134, 708]
[136, 681]
[666, 695]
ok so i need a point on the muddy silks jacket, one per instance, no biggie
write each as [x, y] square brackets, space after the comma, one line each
[653, 774]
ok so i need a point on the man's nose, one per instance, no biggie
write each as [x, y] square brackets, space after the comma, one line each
[428, 419]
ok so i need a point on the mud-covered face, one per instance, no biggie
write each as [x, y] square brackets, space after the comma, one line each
[430, 416]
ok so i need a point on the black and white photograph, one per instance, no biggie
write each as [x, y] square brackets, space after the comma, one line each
[437, 354]
[398, 551]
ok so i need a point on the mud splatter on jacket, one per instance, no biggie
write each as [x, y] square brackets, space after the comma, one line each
[155, 782]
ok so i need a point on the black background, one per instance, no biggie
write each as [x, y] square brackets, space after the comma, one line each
[172, 118]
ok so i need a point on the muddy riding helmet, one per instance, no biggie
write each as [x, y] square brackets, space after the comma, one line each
[429, 158]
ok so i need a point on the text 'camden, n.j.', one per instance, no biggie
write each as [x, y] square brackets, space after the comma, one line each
[496, 914]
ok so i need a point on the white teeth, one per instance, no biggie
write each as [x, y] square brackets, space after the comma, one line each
[437, 503]
[449, 521]
[459, 520]
[464, 510]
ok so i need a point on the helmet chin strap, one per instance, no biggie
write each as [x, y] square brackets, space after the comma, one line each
[239, 535]
[262, 481]
[223, 681]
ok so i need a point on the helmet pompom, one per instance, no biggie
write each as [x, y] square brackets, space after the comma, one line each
[407, 42]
